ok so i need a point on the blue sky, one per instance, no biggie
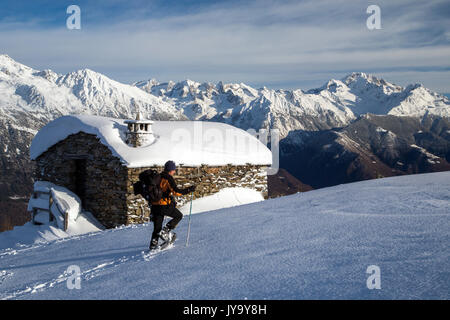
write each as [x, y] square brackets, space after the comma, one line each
[279, 44]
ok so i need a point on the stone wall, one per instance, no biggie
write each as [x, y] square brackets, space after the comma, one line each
[108, 185]
[104, 177]
[208, 180]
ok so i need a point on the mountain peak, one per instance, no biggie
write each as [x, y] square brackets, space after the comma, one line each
[357, 80]
[358, 76]
[5, 56]
[8, 65]
[86, 75]
[361, 76]
[87, 72]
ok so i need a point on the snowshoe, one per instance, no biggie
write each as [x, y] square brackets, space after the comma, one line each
[169, 242]
[166, 234]
[154, 245]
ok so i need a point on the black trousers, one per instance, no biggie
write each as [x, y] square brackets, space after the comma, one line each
[158, 213]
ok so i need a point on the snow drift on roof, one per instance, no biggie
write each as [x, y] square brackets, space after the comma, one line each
[188, 143]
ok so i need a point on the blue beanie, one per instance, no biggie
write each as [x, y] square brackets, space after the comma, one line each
[169, 166]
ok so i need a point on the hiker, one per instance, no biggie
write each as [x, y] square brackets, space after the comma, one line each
[167, 206]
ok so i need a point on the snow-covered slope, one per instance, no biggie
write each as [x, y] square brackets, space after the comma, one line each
[315, 245]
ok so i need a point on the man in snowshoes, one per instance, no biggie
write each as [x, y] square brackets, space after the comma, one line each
[166, 206]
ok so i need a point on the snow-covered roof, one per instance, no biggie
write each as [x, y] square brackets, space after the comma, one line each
[188, 143]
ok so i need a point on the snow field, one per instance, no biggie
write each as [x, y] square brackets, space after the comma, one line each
[315, 245]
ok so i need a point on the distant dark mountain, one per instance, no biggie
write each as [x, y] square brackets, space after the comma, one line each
[373, 146]
[283, 183]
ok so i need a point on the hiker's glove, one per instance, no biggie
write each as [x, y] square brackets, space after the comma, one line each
[191, 189]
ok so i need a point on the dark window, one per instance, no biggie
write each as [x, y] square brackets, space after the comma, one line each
[80, 178]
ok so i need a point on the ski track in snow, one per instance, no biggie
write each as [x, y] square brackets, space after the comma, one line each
[22, 248]
[5, 274]
[85, 275]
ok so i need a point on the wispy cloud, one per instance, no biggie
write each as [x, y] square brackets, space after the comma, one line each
[278, 44]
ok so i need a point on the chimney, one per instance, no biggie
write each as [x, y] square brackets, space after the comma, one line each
[139, 132]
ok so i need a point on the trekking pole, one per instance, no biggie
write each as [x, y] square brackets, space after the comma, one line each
[189, 223]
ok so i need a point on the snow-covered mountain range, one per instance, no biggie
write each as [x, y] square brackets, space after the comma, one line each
[333, 105]
[45, 95]
[30, 98]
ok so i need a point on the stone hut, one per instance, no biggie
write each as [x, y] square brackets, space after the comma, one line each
[101, 158]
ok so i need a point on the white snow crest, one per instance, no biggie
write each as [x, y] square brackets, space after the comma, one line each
[191, 143]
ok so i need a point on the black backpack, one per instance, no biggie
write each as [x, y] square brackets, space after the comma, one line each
[148, 186]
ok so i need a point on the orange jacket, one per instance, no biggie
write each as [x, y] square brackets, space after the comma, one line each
[169, 189]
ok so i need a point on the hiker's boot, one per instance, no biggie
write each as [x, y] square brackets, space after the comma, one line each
[166, 234]
[154, 244]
